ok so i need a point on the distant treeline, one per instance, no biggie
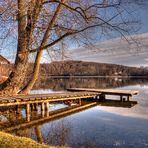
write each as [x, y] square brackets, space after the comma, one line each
[79, 68]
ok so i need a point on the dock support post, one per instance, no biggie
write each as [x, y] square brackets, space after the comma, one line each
[28, 108]
[121, 98]
[36, 106]
[128, 98]
[46, 113]
[32, 107]
[46, 109]
[28, 112]
[18, 109]
[46, 106]
[43, 109]
[80, 101]
[18, 112]
[42, 106]
[102, 97]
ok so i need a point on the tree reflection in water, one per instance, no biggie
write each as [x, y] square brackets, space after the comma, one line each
[66, 132]
[58, 133]
[104, 82]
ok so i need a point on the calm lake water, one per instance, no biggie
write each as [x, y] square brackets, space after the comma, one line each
[95, 127]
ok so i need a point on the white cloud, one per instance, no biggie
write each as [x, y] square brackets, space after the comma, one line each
[116, 51]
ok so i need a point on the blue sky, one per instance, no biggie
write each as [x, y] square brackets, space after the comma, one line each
[142, 13]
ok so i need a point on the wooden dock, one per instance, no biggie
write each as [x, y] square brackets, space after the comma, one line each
[103, 92]
[44, 117]
[71, 95]
[32, 101]
[44, 98]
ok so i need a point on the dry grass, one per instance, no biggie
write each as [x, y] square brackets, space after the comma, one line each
[10, 141]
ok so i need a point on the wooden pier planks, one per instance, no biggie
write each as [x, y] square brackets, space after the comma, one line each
[107, 91]
[77, 93]
[38, 98]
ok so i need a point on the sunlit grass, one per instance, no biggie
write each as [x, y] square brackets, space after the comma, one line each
[10, 141]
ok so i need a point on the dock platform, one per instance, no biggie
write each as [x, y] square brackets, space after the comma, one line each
[44, 98]
[41, 118]
[102, 92]
[73, 95]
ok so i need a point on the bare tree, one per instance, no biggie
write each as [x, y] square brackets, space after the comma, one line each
[35, 26]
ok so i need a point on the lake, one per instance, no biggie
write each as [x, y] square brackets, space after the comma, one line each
[99, 126]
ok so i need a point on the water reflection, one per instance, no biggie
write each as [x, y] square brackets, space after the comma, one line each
[58, 133]
[59, 84]
[14, 121]
[108, 124]
[139, 111]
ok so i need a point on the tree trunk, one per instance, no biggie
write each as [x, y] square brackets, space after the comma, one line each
[15, 81]
[36, 69]
[14, 84]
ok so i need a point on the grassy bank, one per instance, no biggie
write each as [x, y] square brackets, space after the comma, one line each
[10, 141]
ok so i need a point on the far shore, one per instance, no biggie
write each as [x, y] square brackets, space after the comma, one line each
[71, 76]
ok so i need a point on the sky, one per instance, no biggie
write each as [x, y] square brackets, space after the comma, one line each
[135, 58]
[143, 12]
[117, 51]
[130, 61]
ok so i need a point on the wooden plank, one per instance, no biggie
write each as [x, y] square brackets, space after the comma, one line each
[37, 99]
[107, 91]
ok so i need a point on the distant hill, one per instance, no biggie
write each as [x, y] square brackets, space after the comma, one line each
[79, 68]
